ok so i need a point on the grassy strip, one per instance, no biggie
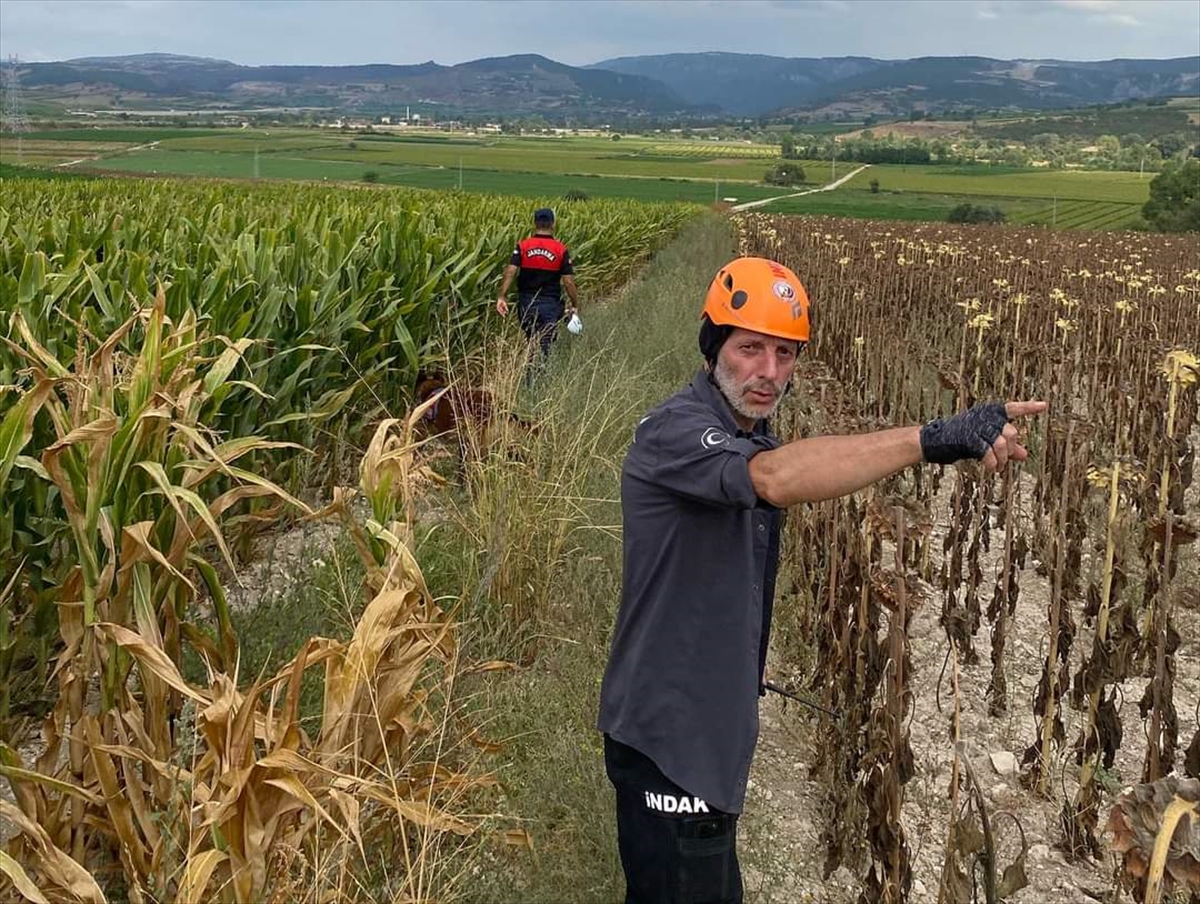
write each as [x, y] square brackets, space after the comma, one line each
[924, 206]
[1006, 182]
[132, 135]
[525, 540]
[635, 351]
[11, 171]
[896, 205]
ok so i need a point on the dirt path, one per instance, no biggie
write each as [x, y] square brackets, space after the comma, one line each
[750, 205]
[119, 153]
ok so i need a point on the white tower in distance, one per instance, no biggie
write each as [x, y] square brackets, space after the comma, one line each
[15, 121]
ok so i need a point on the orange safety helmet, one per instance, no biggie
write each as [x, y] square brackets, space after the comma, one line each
[760, 295]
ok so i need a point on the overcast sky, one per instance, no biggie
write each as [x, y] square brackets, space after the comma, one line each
[334, 32]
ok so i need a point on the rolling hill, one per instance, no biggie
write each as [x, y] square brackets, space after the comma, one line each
[523, 84]
[681, 85]
[754, 85]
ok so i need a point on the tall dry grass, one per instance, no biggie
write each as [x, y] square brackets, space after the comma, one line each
[151, 787]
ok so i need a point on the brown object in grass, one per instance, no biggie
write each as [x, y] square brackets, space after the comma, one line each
[459, 410]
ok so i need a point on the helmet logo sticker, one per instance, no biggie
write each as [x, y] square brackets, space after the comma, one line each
[713, 437]
[739, 299]
[783, 290]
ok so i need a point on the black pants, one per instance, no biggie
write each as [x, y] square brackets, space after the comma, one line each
[539, 318]
[675, 848]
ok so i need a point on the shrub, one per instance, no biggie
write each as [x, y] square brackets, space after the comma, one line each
[976, 213]
[784, 174]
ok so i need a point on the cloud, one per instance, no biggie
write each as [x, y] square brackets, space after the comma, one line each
[1094, 6]
[1125, 19]
[836, 6]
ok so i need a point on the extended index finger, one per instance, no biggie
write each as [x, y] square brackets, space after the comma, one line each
[1023, 409]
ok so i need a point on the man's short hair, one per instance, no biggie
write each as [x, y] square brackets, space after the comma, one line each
[543, 215]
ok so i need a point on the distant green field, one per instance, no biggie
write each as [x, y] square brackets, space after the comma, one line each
[1005, 182]
[532, 155]
[128, 136]
[275, 166]
[249, 141]
[7, 171]
[594, 156]
[156, 161]
[892, 205]
[662, 168]
[1085, 215]
[693, 149]
[906, 205]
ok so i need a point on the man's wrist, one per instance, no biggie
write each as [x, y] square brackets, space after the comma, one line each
[968, 434]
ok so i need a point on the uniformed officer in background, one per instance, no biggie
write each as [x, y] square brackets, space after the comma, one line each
[542, 266]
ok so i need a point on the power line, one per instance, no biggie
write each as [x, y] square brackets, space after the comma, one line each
[15, 120]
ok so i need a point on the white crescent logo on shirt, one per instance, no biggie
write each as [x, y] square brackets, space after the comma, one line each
[639, 424]
[713, 437]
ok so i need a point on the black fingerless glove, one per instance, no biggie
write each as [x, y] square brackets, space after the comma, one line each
[966, 435]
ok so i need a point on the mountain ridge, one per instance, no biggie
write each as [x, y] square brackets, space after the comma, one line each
[710, 84]
[524, 83]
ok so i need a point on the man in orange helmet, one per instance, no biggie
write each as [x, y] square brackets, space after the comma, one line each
[702, 489]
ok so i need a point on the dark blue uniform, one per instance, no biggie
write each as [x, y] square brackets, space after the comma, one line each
[543, 261]
[679, 702]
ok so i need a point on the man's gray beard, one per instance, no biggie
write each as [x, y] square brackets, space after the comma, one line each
[733, 394]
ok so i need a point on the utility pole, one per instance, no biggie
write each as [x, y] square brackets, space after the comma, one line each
[833, 158]
[1054, 216]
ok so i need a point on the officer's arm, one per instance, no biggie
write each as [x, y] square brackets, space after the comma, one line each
[826, 467]
[509, 273]
[569, 282]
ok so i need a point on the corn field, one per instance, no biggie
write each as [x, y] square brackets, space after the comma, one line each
[170, 352]
[921, 322]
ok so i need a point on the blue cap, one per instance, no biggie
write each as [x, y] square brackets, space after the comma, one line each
[543, 215]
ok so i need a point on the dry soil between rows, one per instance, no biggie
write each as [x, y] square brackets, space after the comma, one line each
[785, 803]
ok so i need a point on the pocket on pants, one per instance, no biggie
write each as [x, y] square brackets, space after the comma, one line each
[706, 860]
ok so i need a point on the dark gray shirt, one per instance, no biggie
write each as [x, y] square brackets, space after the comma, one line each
[701, 551]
